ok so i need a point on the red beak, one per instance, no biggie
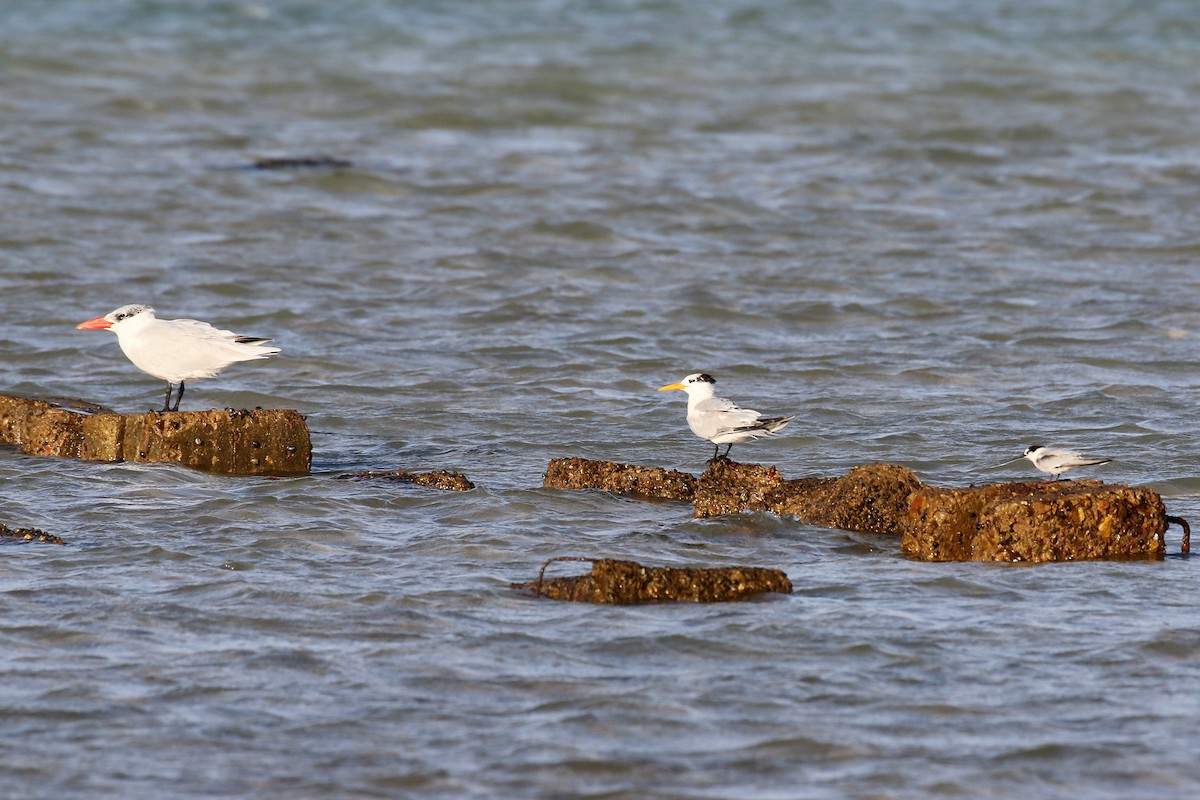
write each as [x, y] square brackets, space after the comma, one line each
[93, 324]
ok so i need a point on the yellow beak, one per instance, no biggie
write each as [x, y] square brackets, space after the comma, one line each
[672, 386]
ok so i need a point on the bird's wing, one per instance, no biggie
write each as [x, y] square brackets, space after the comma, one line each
[726, 413]
[202, 330]
[1080, 460]
[717, 404]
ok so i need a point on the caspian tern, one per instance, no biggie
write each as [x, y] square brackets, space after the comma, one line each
[1056, 462]
[720, 421]
[176, 350]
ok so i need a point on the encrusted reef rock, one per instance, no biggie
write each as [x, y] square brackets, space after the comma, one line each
[622, 582]
[871, 499]
[454, 481]
[728, 487]
[252, 442]
[28, 535]
[1035, 522]
[649, 482]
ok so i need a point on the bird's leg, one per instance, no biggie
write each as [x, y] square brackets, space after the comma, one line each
[179, 397]
[167, 399]
[728, 447]
[716, 450]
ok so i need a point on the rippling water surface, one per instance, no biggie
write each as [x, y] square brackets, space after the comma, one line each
[936, 230]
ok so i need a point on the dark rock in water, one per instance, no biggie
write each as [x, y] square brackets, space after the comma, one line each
[251, 442]
[942, 522]
[1022, 522]
[645, 482]
[28, 535]
[1036, 522]
[870, 499]
[316, 162]
[454, 481]
[244, 442]
[728, 487]
[622, 582]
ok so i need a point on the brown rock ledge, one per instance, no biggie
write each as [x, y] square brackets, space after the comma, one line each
[1014, 522]
[1036, 522]
[870, 499]
[624, 582]
[454, 481]
[253, 442]
[645, 482]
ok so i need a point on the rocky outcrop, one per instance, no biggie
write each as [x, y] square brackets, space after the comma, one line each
[253, 442]
[645, 482]
[453, 481]
[1036, 522]
[870, 499]
[623, 582]
[1016, 522]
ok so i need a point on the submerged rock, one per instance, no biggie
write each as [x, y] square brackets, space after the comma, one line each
[28, 535]
[301, 162]
[623, 582]
[646, 482]
[454, 481]
[249, 442]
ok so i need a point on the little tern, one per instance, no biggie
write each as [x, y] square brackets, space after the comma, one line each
[720, 421]
[176, 350]
[1056, 462]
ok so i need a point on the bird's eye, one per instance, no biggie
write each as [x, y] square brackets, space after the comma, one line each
[121, 317]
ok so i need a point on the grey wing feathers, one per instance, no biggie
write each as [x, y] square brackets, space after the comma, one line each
[198, 328]
[718, 404]
[730, 417]
[204, 329]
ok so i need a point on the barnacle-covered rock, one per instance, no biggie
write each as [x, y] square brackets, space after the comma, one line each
[28, 535]
[454, 481]
[630, 479]
[872, 498]
[247, 442]
[1036, 522]
[623, 582]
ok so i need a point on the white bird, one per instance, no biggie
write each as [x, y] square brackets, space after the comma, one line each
[720, 421]
[1056, 462]
[176, 350]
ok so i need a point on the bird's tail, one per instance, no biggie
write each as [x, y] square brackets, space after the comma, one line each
[773, 424]
[249, 348]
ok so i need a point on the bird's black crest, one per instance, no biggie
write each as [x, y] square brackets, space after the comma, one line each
[124, 312]
[706, 378]
[1033, 447]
